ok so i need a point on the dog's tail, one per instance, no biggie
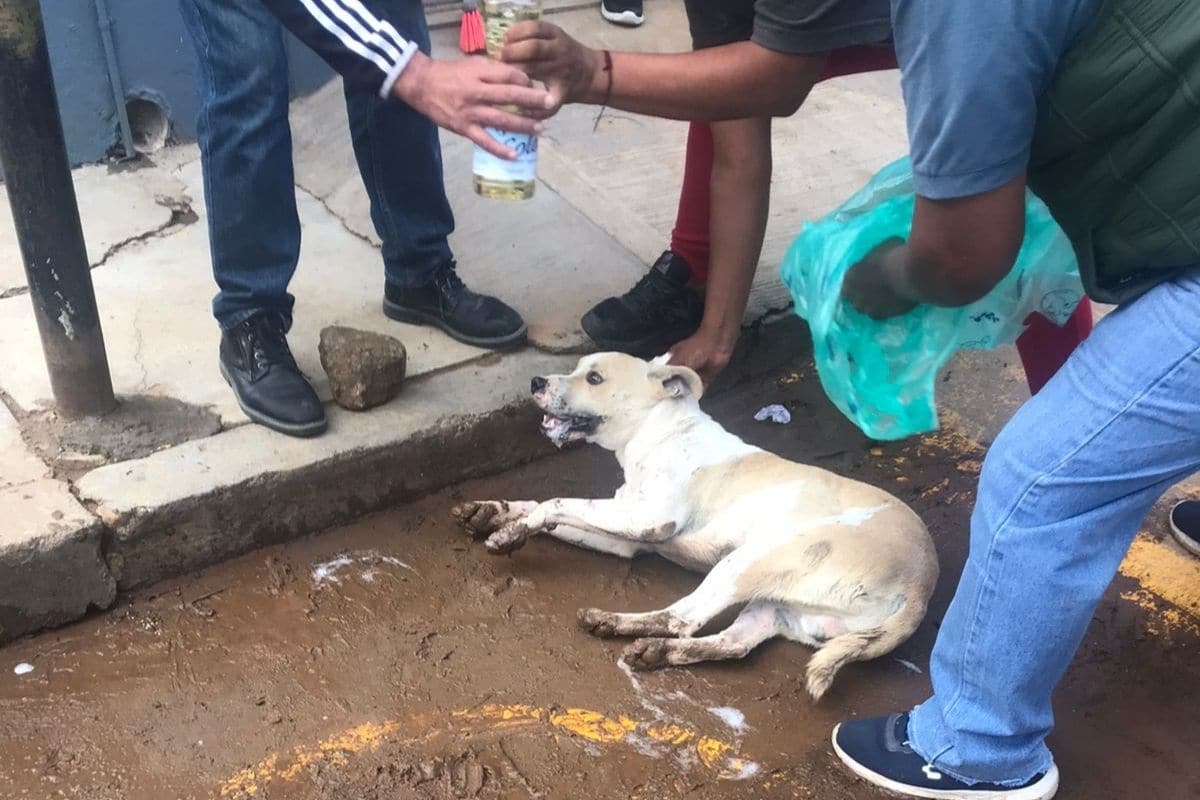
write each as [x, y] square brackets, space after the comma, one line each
[861, 646]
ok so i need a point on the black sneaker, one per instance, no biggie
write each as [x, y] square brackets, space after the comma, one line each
[661, 310]
[1185, 524]
[877, 751]
[446, 303]
[627, 13]
[258, 365]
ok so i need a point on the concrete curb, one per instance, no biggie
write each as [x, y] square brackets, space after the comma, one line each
[211, 499]
[51, 568]
[208, 500]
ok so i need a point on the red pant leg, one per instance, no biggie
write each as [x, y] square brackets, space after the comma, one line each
[1044, 347]
[689, 239]
[861, 58]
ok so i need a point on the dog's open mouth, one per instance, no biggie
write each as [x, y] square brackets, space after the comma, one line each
[562, 430]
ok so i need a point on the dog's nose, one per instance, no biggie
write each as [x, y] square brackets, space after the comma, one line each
[538, 385]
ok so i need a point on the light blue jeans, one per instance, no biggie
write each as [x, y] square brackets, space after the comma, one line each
[1063, 492]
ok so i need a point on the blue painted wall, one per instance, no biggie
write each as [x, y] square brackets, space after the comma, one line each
[154, 58]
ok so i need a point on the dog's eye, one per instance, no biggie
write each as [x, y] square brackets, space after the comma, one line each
[595, 378]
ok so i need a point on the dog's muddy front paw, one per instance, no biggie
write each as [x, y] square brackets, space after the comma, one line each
[480, 518]
[648, 654]
[508, 539]
[597, 622]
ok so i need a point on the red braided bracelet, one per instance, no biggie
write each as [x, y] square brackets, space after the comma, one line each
[608, 69]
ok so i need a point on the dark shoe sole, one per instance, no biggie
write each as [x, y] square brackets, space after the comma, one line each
[411, 316]
[650, 346]
[306, 430]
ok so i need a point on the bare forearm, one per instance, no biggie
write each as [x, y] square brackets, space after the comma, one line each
[740, 197]
[722, 83]
[736, 81]
[959, 249]
[957, 252]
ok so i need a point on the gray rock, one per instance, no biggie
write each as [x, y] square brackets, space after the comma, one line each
[365, 369]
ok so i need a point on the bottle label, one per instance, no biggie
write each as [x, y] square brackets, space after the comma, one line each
[489, 167]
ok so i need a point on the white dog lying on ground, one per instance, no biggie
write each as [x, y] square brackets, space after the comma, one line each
[836, 564]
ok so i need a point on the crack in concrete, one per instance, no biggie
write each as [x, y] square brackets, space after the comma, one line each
[341, 220]
[182, 216]
[137, 352]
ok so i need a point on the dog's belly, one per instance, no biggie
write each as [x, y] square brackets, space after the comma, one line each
[698, 550]
[715, 531]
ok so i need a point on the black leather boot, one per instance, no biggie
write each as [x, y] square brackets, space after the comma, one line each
[446, 303]
[258, 365]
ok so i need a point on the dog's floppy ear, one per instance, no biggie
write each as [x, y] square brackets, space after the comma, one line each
[678, 381]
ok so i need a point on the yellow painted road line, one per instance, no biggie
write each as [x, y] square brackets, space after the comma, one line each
[717, 755]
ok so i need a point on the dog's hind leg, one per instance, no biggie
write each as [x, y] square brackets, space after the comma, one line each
[718, 591]
[757, 623]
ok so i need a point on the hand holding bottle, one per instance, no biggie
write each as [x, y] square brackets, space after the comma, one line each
[467, 97]
[571, 71]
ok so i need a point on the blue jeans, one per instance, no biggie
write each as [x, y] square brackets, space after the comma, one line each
[246, 148]
[1063, 492]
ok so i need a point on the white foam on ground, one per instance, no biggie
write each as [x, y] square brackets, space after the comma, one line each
[328, 571]
[644, 697]
[22, 669]
[734, 769]
[741, 770]
[732, 717]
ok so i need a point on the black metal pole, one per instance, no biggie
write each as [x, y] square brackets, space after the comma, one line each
[38, 177]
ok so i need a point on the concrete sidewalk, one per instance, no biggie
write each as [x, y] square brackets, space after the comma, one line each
[179, 479]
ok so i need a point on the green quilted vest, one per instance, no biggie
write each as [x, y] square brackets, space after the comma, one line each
[1116, 152]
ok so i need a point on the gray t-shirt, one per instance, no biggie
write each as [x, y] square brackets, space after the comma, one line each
[800, 27]
[972, 73]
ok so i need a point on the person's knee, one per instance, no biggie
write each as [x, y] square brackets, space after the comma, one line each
[1015, 463]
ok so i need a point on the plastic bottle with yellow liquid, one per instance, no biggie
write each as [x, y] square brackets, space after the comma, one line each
[497, 178]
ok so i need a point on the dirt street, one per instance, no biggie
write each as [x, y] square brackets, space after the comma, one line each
[394, 658]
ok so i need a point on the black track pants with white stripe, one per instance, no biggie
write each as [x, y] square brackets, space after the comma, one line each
[355, 37]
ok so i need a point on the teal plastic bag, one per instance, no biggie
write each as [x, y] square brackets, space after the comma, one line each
[882, 374]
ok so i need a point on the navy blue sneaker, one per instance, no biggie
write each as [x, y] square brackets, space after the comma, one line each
[877, 751]
[1185, 524]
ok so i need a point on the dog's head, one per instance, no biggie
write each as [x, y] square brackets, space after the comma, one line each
[608, 396]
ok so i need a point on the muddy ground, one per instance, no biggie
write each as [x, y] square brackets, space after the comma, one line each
[394, 658]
